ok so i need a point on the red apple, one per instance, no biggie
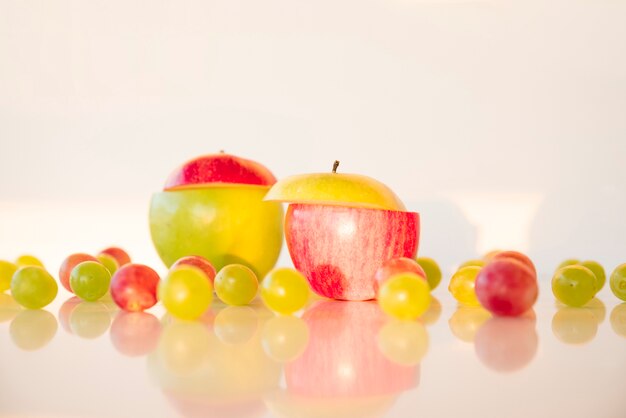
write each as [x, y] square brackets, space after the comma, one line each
[219, 168]
[339, 248]
[342, 358]
[68, 265]
[506, 287]
[396, 266]
[118, 254]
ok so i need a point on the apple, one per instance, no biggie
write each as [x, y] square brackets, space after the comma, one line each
[341, 228]
[213, 207]
[342, 371]
[339, 249]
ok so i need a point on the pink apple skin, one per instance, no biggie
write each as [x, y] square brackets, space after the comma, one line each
[342, 358]
[219, 168]
[340, 248]
[396, 266]
[506, 287]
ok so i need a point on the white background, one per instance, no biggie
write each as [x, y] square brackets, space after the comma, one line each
[502, 122]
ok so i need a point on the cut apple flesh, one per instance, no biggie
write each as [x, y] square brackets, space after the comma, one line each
[337, 189]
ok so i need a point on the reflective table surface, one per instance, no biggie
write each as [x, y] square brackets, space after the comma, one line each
[334, 359]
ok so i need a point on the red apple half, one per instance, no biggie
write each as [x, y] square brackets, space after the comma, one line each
[339, 248]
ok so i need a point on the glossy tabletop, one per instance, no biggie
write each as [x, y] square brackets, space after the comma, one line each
[343, 359]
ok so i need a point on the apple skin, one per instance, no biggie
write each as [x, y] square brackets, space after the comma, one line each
[339, 248]
[342, 358]
[225, 225]
[219, 168]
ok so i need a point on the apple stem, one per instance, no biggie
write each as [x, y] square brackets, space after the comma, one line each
[335, 166]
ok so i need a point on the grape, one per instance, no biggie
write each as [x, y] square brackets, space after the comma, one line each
[462, 285]
[199, 262]
[403, 342]
[183, 348]
[109, 262]
[135, 334]
[68, 265]
[574, 325]
[89, 320]
[404, 296]
[28, 260]
[618, 281]
[65, 312]
[236, 284]
[186, 293]
[515, 255]
[118, 254]
[473, 263]
[466, 321]
[33, 287]
[90, 280]
[33, 329]
[285, 290]
[7, 270]
[284, 338]
[134, 287]
[236, 325]
[396, 266]
[506, 287]
[598, 271]
[568, 262]
[597, 308]
[618, 319]
[574, 285]
[432, 270]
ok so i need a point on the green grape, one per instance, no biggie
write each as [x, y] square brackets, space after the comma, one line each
[33, 287]
[598, 271]
[403, 342]
[90, 280]
[33, 329]
[432, 270]
[284, 338]
[28, 260]
[568, 262]
[186, 293]
[285, 290]
[236, 325]
[574, 285]
[618, 281]
[109, 262]
[7, 270]
[473, 263]
[404, 296]
[462, 285]
[236, 284]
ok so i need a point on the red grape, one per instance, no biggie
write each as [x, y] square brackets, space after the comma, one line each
[68, 265]
[134, 287]
[515, 255]
[506, 287]
[118, 254]
[395, 266]
[199, 262]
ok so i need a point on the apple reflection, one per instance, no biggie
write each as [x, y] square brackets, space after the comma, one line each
[32, 330]
[507, 344]
[215, 367]
[342, 371]
[135, 334]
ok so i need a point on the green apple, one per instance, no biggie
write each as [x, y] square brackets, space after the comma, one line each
[223, 221]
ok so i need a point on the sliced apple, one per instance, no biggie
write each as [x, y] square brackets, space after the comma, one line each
[336, 189]
[219, 169]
